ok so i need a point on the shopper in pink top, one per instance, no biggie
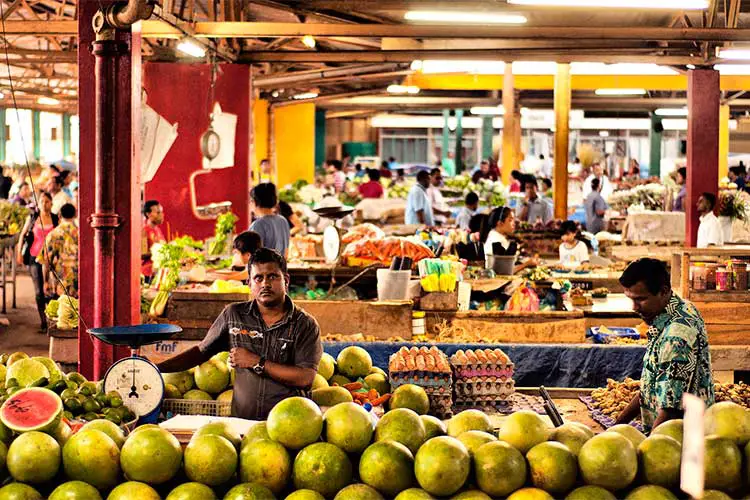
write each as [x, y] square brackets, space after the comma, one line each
[38, 225]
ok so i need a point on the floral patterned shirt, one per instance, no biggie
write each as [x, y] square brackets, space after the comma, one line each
[61, 255]
[677, 361]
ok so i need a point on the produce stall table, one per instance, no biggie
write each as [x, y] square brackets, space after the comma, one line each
[323, 272]
[592, 280]
[651, 225]
[8, 262]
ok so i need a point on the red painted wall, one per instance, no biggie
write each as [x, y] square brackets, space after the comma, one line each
[179, 93]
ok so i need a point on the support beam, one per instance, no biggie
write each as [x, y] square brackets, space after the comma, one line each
[724, 140]
[2, 135]
[36, 134]
[702, 144]
[488, 132]
[458, 157]
[655, 137]
[449, 166]
[66, 134]
[562, 132]
[510, 152]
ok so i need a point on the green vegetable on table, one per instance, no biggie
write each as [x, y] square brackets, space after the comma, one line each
[224, 227]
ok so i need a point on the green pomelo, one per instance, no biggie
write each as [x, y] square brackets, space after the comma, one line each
[387, 466]
[402, 425]
[433, 427]
[659, 459]
[442, 465]
[184, 381]
[530, 494]
[75, 490]
[331, 396]
[590, 493]
[723, 464]
[571, 436]
[338, 379]
[471, 495]
[27, 371]
[152, 456]
[109, 428]
[553, 467]
[319, 382]
[226, 396]
[267, 463]
[32, 409]
[500, 469]
[52, 368]
[634, 435]
[192, 491]
[249, 491]
[375, 369]
[354, 362]
[3, 456]
[474, 439]
[671, 428]
[212, 376]
[6, 435]
[144, 427]
[327, 366]
[16, 356]
[524, 430]
[650, 492]
[33, 457]
[220, 428]
[92, 457]
[222, 356]
[172, 392]
[257, 431]
[305, 495]
[358, 492]
[210, 459]
[414, 494]
[19, 491]
[133, 490]
[728, 420]
[197, 395]
[62, 433]
[608, 460]
[412, 397]
[469, 420]
[322, 467]
[584, 428]
[295, 422]
[348, 426]
[378, 382]
[715, 495]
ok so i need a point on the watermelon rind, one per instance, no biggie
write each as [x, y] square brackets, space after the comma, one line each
[21, 404]
[26, 372]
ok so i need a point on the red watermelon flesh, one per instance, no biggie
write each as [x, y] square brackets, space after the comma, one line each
[32, 409]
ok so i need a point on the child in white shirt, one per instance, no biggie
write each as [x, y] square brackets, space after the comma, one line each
[573, 252]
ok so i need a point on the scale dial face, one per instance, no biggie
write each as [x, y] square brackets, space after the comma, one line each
[331, 243]
[139, 383]
[210, 144]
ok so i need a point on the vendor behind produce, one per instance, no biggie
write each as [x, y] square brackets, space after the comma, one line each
[154, 217]
[244, 246]
[272, 228]
[503, 223]
[677, 359]
[274, 346]
[573, 252]
[534, 209]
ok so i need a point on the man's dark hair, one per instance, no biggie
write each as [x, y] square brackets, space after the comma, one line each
[391, 159]
[541, 157]
[247, 242]
[517, 175]
[434, 171]
[59, 181]
[266, 255]
[547, 183]
[529, 179]
[683, 172]
[595, 184]
[423, 175]
[148, 206]
[358, 167]
[401, 172]
[68, 211]
[373, 174]
[384, 164]
[337, 164]
[653, 273]
[472, 198]
[264, 195]
[710, 198]
[568, 226]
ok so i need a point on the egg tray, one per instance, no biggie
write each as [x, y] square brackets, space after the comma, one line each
[441, 406]
[484, 375]
[516, 402]
[498, 388]
[441, 382]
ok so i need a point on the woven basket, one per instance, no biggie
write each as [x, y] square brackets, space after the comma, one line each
[197, 407]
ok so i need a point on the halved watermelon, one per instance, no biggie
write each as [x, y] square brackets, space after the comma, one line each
[32, 409]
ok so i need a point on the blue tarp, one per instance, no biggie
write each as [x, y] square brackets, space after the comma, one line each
[551, 365]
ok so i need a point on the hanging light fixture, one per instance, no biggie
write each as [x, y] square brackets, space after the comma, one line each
[191, 48]
[308, 41]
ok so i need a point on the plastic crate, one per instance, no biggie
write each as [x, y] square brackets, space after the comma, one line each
[197, 407]
[618, 332]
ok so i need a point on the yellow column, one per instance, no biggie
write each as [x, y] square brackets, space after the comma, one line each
[562, 126]
[294, 142]
[723, 141]
[510, 150]
[260, 135]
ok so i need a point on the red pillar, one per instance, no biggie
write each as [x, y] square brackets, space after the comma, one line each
[702, 143]
[126, 172]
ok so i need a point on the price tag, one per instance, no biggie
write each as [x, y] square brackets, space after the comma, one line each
[693, 446]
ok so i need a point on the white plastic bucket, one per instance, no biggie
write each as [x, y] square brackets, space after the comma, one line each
[393, 285]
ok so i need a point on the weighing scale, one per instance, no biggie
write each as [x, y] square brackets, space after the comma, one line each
[332, 234]
[136, 378]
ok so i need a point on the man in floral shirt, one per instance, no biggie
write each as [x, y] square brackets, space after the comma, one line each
[677, 359]
[60, 255]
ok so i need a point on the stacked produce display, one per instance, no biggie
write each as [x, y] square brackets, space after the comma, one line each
[428, 368]
[350, 378]
[483, 377]
[12, 218]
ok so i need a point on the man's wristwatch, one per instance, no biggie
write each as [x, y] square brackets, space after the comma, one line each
[260, 366]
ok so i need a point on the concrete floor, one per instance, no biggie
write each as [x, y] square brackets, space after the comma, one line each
[23, 333]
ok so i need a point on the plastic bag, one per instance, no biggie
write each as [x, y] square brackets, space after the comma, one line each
[524, 299]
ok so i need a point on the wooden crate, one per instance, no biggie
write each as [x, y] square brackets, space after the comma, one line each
[382, 320]
[439, 301]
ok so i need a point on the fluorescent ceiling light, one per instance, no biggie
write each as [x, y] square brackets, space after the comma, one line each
[455, 17]
[690, 66]
[594, 68]
[733, 69]
[620, 91]
[671, 112]
[603, 133]
[620, 4]
[534, 67]
[735, 54]
[305, 95]
[190, 48]
[488, 110]
[308, 41]
[2, 96]
[432, 66]
[402, 89]
[48, 100]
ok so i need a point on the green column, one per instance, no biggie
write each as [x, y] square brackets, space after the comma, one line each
[66, 134]
[36, 133]
[459, 140]
[654, 158]
[2, 135]
[446, 134]
[487, 134]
